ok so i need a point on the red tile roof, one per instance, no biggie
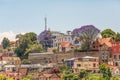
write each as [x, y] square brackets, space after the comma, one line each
[65, 44]
[23, 71]
[106, 41]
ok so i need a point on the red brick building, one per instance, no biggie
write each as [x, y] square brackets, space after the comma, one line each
[116, 53]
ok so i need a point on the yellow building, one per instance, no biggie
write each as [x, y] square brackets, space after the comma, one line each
[86, 63]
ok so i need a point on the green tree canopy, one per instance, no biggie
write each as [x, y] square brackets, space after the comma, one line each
[34, 48]
[5, 43]
[117, 37]
[105, 71]
[86, 35]
[27, 43]
[108, 33]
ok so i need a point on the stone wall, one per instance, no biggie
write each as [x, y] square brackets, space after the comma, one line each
[53, 58]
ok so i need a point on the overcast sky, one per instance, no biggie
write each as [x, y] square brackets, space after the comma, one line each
[20, 16]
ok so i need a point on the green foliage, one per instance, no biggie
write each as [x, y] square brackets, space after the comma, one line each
[28, 77]
[108, 33]
[31, 36]
[67, 73]
[63, 68]
[55, 50]
[27, 43]
[105, 71]
[5, 43]
[2, 77]
[115, 78]
[82, 74]
[117, 37]
[25, 61]
[9, 79]
[34, 48]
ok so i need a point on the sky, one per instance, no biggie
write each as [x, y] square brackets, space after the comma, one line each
[21, 16]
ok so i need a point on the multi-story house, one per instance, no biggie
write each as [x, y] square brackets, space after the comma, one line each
[58, 38]
[103, 45]
[86, 63]
[52, 39]
[116, 53]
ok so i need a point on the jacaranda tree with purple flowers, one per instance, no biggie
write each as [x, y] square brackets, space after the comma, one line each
[45, 38]
[86, 34]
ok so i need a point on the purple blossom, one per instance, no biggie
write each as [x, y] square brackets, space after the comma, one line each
[82, 29]
[45, 35]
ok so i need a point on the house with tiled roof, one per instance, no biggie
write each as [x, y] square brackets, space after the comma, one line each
[65, 47]
[7, 52]
[13, 44]
[115, 70]
[12, 60]
[10, 64]
[51, 39]
[49, 77]
[103, 45]
[102, 41]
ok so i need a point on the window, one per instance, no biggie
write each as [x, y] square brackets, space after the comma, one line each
[69, 38]
[78, 65]
[8, 68]
[94, 65]
[116, 64]
[115, 56]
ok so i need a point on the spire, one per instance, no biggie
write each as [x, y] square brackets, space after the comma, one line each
[45, 23]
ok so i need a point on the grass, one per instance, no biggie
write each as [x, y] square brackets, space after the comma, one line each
[99, 77]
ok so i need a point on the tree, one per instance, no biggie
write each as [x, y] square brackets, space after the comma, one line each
[108, 33]
[5, 43]
[31, 36]
[82, 74]
[45, 38]
[67, 73]
[86, 35]
[34, 48]
[27, 42]
[2, 77]
[117, 37]
[105, 71]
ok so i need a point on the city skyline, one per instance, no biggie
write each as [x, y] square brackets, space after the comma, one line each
[21, 16]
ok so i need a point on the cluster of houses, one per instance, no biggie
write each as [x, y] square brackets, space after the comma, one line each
[108, 53]
[10, 64]
[56, 40]
[105, 50]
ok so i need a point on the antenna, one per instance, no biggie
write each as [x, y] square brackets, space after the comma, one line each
[45, 23]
